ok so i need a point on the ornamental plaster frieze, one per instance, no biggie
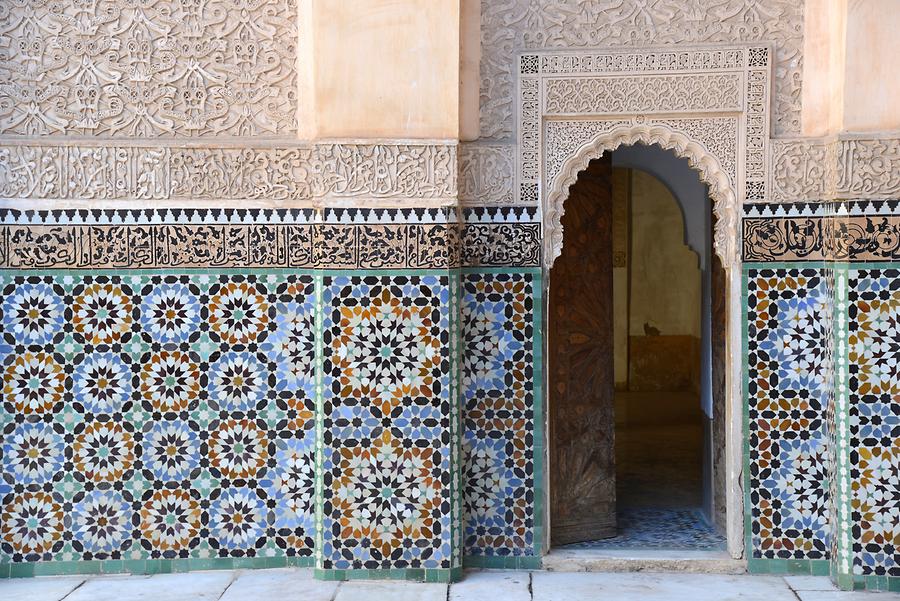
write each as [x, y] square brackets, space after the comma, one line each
[148, 69]
[835, 168]
[486, 174]
[512, 26]
[90, 171]
[704, 92]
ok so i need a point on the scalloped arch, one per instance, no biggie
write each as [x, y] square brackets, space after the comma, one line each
[725, 200]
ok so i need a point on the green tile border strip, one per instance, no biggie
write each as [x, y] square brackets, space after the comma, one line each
[877, 583]
[457, 428]
[503, 562]
[411, 574]
[318, 499]
[791, 567]
[842, 568]
[147, 566]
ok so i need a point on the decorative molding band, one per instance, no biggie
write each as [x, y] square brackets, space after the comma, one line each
[835, 168]
[255, 239]
[91, 172]
[713, 92]
[823, 208]
[841, 238]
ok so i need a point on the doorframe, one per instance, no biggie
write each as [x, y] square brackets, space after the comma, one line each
[709, 105]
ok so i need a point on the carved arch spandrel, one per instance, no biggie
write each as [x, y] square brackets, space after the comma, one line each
[723, 195]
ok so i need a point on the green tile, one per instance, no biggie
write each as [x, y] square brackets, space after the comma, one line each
[273, 562]
[247, 563]
[135, 566]
[845, 582]
[21, 570]
[113, 566]
[181, 565]
[798, 566]
[211, 563]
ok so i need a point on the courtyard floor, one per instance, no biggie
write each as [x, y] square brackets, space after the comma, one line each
[298, 584]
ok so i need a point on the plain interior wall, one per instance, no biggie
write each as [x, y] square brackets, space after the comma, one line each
[665, 276]
[386, 69]
[850, 53]
[871, 85]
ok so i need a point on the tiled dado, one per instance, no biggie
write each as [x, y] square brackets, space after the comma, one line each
[220, 413]
[873, 344]
[503, 436]
[390, 435]
[164, 418]
[822, 351]
[787, 390]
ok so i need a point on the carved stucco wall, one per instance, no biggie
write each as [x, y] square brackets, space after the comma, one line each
[168, 174]
[510, 26]
[148, 69]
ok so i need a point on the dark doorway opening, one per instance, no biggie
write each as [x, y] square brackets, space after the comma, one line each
[635, 354]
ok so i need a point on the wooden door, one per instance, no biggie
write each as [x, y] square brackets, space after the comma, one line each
[581, 377]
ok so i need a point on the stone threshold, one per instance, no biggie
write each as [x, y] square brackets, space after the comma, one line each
[643, 560]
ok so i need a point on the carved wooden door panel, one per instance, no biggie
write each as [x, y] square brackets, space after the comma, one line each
[581, 377]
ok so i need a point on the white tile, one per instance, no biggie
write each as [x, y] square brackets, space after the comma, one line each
[194, 586]
[555, 586]
[491, 586]
[279, 585]
[38, 589]
[391, 591]
[811, 583]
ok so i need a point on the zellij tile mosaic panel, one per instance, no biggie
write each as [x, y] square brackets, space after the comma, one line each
[789, 385]
[499, 416]
[387, 437]
[874, 389]
[152, 416]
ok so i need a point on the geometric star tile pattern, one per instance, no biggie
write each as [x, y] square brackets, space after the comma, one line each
[156, 416]
[874, 394]
[499, 423]
[789, 382]
[387, 501]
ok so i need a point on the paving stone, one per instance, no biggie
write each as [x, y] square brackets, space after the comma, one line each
[196, 586]
[658, 587]
[811, 583]
[391, 591]
[279, 585]
[37, 589]
[491, 585]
